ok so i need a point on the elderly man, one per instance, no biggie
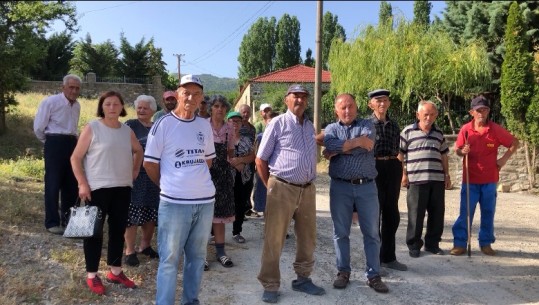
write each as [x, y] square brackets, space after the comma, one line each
[265, 109]
[423, 150]
[389, 168]
[247, 129]
[55, 125]
[178, 155]
[352, 170]
[286, 164]
[479, 141]
[169, 103]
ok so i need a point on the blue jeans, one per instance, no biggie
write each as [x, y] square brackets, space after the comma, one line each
[486, 195]
[183, 229]
[343, 196]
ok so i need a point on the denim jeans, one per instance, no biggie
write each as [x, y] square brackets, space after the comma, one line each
[486, 195]
[343, 196]
[183, 229]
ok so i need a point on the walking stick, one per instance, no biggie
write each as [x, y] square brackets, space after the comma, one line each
[468, 218]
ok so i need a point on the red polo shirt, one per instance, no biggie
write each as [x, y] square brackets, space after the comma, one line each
[483, 151]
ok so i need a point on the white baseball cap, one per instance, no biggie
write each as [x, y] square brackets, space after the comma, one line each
[190, 79]
[264, 106]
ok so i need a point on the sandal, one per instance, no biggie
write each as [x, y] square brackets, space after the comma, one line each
[206, 265]
[225, 261]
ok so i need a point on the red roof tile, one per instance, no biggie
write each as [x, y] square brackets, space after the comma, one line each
[295, 74]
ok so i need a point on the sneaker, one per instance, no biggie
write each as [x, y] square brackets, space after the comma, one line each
[342, 280]
[131, 260]
[396, 265]
[487, 250]
[58, 230]
[95, 285]
[306, 285]
[150, 252]
[457, 251]
[120, 279]
[239, 239]
[377, 284]
[270, 296]
[435, 250]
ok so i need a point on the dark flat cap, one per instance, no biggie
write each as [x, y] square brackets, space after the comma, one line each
[296, 88]
[480, 102]
[378, 92]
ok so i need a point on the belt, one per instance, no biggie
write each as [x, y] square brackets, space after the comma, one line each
[60, 135]
[385, 158]
[356, 181]
[293, 184]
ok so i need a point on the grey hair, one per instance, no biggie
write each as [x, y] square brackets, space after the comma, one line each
[423, 103]
[243, 106]
[73, 77]
[218, 98]
[146, 98]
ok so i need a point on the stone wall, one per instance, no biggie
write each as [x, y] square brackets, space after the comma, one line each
[91, 89]
[513, 176]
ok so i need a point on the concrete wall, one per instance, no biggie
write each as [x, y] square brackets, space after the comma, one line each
[92, 89]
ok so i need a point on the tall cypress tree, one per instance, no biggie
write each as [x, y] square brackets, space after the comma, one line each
[287, 47]
[385, 16]
[422, 10]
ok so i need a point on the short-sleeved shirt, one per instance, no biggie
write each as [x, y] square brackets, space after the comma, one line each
[423, 153]
[483, 153]
[289, 148]
[181, 147]
[360, 162]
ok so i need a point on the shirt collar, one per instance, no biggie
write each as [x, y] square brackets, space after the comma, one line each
[295, 118]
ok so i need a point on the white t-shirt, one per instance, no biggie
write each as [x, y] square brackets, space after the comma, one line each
[181, 147]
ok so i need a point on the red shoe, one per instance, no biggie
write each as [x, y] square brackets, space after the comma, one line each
[120, 279]
[95, 285]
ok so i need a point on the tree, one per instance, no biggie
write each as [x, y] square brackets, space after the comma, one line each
[287, 46]
[422, 10]
[22, 24]
[58, 51]
[257, 50]
[331, 29]
[309, 60]
[385, 16]
[102, 59]
[156, 66]
[135, 59]
[517, 83]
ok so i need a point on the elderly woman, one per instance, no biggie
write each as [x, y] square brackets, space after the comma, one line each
[221, 174]
[243, 156]
[145, 194]
[112, 157]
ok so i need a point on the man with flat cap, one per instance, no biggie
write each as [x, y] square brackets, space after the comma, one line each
[479, 141]
[388, 181]
[286, 164]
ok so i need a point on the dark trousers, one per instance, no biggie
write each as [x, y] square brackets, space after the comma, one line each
[388, 183]
[241, 194]
[59, 179]
[249, 185]
[428, 197]
[113, 202]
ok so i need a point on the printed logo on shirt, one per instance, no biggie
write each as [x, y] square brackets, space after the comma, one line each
[490, 145]
[179, 153]
[192, 157]
[200, 138]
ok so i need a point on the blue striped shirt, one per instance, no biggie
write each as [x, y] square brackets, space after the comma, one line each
[360, 162]
[423, 153]
[289, 148]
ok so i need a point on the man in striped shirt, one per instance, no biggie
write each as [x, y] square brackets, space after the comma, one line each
[425, 173]
[286, 164]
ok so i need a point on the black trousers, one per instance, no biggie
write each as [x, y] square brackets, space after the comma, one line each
[114, 203]
[388, 183]
[242, 193]
[430, 198]
[60, 183]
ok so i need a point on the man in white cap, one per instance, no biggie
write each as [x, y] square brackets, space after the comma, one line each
[178, 155]
[169, 103]
[265, 109]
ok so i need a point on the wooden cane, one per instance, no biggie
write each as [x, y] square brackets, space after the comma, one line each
[468, 218]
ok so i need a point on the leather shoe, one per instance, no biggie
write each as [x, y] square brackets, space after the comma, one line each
[396, 265]
[487, 250]
[58, 230]
[306, 285]
[457, 251]
[414, 253]
[270, 296]
[435, 250]
[377, 284]
[342, 280]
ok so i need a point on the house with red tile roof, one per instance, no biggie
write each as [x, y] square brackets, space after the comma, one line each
[259, 89]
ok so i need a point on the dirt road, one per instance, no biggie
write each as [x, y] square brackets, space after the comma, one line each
[49, 269]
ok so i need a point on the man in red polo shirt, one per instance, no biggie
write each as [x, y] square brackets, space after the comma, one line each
[479, 140]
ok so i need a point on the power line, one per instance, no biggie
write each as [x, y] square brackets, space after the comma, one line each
[224, 42]
[105, 8]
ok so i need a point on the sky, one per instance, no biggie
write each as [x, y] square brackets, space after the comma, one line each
[208, 34]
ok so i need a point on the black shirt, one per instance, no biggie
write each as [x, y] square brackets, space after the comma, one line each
[387, 137]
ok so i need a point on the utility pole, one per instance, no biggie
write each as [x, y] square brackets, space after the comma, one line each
[179, 56]
[318, 70]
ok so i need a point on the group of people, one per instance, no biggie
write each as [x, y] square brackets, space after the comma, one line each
[192, 169]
